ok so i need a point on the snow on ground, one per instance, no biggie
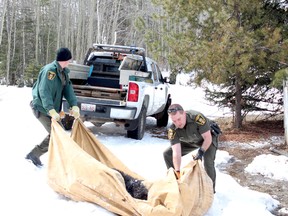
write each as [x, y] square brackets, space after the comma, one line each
[261, 165]
[24, 188]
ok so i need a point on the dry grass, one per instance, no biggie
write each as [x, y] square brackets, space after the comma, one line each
[254, 128]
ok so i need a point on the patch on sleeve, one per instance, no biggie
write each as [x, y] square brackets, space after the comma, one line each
[171, 134]
[199, 119]
[51, 75]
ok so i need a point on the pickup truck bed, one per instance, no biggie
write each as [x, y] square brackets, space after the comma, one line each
[99, 92]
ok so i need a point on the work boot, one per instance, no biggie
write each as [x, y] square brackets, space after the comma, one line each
[34, 159]
[37, 151]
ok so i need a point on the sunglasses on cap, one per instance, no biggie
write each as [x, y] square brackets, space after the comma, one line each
[173, 110]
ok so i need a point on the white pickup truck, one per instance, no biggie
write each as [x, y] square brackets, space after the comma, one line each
[120, 84]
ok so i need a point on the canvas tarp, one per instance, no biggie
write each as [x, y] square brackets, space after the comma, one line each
[81, 167]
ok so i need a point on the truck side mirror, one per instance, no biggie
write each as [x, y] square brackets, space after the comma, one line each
[166, 79]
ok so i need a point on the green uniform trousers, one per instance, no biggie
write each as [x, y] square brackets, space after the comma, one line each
[209, 158]
[42, 148]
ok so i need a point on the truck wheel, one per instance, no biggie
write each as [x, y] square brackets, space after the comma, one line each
[138, 133]
[163, 121]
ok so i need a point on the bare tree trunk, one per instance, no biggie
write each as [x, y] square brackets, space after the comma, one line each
[73, 45]
[91, 22]
[84, 27]
[68, 28]
[48, 44]
[238, 105]
[24, 53]
[238, 92]
[50, 27]
[9, 24]
[59, 28]
[114, 29]
[99, 20]
[79, 39]
[2, 19]
[14, 37]
[285, 105]
[37, 31]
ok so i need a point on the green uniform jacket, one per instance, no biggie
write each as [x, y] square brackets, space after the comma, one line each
[196, 124]
[48, 91]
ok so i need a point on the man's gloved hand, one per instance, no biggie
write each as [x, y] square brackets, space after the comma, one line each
[177, 174]
[199, 154]
[75, 112]
[62, 114]
[54, 114]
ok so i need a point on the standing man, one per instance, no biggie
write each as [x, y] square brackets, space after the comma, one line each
[190, 130]
[52, 85]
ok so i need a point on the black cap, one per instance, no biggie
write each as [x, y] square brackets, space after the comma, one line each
[63, 54]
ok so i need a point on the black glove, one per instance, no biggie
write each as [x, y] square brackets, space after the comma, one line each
[199, 154]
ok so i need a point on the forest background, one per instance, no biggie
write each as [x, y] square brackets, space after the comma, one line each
[239, 46]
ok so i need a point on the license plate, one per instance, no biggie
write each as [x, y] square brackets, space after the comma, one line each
[88, 107]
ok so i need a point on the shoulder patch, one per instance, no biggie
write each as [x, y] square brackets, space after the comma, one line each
[51, 75]
[171, 134]
[199, 119]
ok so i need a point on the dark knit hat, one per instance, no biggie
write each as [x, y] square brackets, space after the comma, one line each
[63, 54]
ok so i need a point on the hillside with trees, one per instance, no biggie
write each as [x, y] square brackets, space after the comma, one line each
[239, 46]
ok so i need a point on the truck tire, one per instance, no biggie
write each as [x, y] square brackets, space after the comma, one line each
[138, 133]
[163, 121]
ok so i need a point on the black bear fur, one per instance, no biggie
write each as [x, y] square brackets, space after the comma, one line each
[134, 186]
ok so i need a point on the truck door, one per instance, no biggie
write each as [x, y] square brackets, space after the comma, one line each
[159, 88]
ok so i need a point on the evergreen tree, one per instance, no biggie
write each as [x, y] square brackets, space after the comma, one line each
[31, 73]
[238, 45]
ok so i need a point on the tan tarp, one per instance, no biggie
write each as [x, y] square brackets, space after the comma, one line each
[80, 167]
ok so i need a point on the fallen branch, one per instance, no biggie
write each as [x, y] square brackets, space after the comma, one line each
[279, 152]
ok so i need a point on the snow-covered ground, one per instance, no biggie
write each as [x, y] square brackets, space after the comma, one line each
[24, 189]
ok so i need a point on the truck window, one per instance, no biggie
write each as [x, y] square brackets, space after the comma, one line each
[155, 73]
[160, 78]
